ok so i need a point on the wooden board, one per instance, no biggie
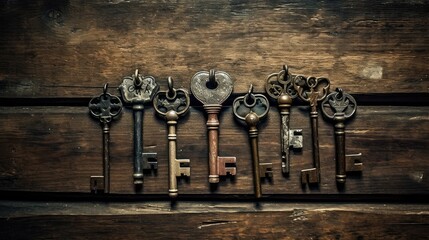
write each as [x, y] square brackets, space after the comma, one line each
[57, 149]
[208, 220]
[71, 48]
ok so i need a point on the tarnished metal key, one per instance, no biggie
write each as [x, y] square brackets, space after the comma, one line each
[105, 108]
[212, 89]
[138, 90]
[250, 108]
[338, 107]
[172, 104]
[279, 86]
[312, 90]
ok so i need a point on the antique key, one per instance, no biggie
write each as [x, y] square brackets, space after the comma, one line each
[312, 90]
[212, 89]
[172, 104]
[340, 106]
[138, 90]
[279, 86]
[104, 107]
[250, 108]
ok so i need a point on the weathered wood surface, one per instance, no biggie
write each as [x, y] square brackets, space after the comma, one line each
[208, 220]
[71, 48]
[56, 149]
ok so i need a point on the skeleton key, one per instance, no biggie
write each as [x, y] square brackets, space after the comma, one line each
[250, 108]
[138, 90]
[172, 104]
[338, 107]
[312, 90]
[279, 86]
[212, 89]
[104, 107]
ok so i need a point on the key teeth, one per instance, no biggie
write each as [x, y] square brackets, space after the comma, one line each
[266, 170]
[309, 176]
[150, 165]
[354, 162]
[224, 168]
[183, 170]
[295, 138]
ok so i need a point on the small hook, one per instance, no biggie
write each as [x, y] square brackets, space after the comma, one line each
[339, 94]
[286, 69]
[171, 93]
[106, 85]
[212, 77]
[250, 89]
[137, 81]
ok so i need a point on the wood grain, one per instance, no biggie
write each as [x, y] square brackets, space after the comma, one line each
[56, 149]
[153, 220]
[71, 48]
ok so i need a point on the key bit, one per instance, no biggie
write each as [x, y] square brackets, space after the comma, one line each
[137, 90]
[105, 108]
[338, 107]
[312, 90]
[279, 86]
[250, 108]
[171, 105]
[212, 89]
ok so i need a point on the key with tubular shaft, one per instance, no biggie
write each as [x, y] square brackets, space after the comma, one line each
[312, 90]
[251, 108]
[338, 107]
[138, 90]
[212, 89]
[105, 108]
[172, 104]
[279, 86]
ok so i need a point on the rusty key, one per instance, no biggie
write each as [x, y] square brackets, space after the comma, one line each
[251, 108]
[338, 107]
[172, 104]
[279, 86]
[138, 90]
[312, 90]
[105, 108]
[212, 89]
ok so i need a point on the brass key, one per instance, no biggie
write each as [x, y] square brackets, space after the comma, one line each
[251, 108]
[138, 90]
[212, 89]
[312, 90]
[105, 108]
[338, 107]
[172, 104]
[279, 86]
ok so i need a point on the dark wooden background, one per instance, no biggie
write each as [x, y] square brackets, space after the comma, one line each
[56, 55]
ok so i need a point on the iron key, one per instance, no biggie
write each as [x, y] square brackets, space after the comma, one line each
[251, 108]
[138, 90]
[338, 107]
[105, 108]
[312, 90]
[172, 104]
[212, 89]
[279, 86]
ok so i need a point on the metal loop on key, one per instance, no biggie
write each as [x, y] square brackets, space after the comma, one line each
[178, 102]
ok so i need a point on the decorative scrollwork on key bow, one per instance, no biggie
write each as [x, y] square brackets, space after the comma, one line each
[311, 89]
[339, 103]
[105, 106]
[280, 83]
[250, 103]
[171, 100]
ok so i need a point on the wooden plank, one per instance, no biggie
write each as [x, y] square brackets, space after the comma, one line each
[217, 221]
[71, 48]
[56, 149]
